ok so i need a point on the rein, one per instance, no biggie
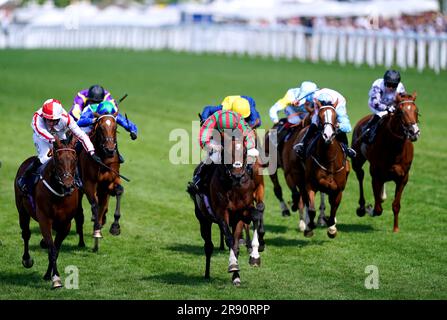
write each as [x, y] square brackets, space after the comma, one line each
[46, 184]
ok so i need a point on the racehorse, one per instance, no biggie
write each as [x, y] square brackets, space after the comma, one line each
[390, 155]
[230, 204]
[53, 203]
[325, 169]
[102, 180]
[286, 159]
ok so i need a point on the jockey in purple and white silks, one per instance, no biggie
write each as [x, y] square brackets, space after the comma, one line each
[382, 100]
[328, 97]
[48, 122]
[93, 95]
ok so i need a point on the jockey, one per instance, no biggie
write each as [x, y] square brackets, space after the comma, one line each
[294, 105]
[244, 105]
[106, 107]
[92, 95]
[49, 121]
[220, 121]
[382, 100]
[328, 97]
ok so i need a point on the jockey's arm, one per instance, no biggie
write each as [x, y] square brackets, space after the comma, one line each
[87, 118]
[81, 135]
[375, 97]
[126, 124]
[344, 124]
[40, 129]
[78, 105]
[281, 104]
[209, 110]
[206, 131]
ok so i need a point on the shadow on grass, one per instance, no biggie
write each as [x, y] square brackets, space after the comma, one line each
[360, 228]
[23, 279]
[180, 278]
[283, 242]
[275, 228]
[193, 249]
[65, 248]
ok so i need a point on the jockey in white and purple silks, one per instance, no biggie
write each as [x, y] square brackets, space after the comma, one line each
[93, 95]
[382, 100]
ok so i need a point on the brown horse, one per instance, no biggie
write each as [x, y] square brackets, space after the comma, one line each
[390, 155]
[100, 182]
[324, 169]
[286, 159]
[230, 203]
[53, 203]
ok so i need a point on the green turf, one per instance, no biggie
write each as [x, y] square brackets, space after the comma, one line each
[159, 254]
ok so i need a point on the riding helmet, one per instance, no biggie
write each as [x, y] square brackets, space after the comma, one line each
[391, 78]
[96, 93]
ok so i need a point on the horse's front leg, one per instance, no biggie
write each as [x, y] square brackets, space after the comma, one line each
[400, 185]
[278, 193]
[115, 228]
[233, 265]
[45, 228]
[255, 258]
[322, 219]
[357, 164]
[377, 185]
[334, 201]
[310, 216]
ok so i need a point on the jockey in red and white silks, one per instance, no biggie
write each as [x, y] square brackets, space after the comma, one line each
[52, 120]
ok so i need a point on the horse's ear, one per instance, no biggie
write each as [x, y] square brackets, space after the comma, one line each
[336, 103]
[73, 142]
[96, 114]
[115, 114]
[318, 103]
[57, 142]
[414, 95]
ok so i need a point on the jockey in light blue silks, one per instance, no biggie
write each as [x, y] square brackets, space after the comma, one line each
[88, 118]
[327, 97]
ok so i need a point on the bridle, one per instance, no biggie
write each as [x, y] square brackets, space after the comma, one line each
[103, 140]
[59, 178]
[405, 126]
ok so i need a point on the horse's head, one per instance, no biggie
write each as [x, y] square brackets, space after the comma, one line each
[65, 159]
[328, 118]
[105, 132]
[408, 113]
[234, 155]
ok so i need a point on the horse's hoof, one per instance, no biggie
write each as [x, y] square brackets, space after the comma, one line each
[361, 211]
[97, 234]
[28, 263]
[233, 268]
[294, 208]
[331, 235]
[286, 213]
[377, 213]
[81, 244]
[308, 233]
[261, 247]
[312, 225]
[395, 230]
[255, 262]
[322, 222]
[57, 283]
[237, 282]
[302, 226]
[222, 248]
[115, 230]
[43, 244]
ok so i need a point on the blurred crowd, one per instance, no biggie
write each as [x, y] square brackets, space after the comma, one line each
[428, 22]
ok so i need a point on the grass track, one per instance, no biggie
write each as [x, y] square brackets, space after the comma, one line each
[159, 254]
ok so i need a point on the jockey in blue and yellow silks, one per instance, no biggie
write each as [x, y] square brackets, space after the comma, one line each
[244, 105]
[93, 95]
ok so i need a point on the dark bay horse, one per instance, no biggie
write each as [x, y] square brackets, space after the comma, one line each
[287, 160]
[230, 203]
[326, 169]
[99, 182]
[390, 155]
[53, 203]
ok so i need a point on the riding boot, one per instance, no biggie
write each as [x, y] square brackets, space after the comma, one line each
[370, 129]
[300, 147]
[194, 185]
[29, 171]
[77, 178]
[343, 139]
[120, 157]
[78, 147]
